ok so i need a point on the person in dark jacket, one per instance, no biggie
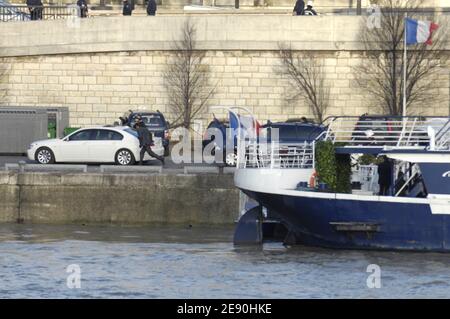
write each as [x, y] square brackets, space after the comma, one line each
[151, 7]
[384, 176]
[299, 8]
[309, 11]
[82, 4]
[127, 10]
[145, 142]
[35, 7]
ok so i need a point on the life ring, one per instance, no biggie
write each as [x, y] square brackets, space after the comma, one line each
[313, 180]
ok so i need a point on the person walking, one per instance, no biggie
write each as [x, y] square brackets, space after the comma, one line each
[82, 4]
[145, 142]
[35, 7]
[127, 10]
[299, 8]
[309, 11]
[151, 7]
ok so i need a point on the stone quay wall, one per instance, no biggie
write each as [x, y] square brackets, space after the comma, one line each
[68, 198]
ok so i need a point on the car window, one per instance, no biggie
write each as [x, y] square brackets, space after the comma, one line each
[115, 136]
[282, 133]
[287, 132]
[308, 132]
[131, 131]
[152, 120]
[212, 124]
[107, 135]
[81, 136]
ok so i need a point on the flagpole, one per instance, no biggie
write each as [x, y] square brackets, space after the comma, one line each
[405, 63]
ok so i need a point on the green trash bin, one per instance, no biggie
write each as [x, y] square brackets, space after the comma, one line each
[51, 130]
[70, 130]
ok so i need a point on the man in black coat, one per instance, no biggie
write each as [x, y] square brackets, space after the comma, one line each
[151, 7]
[145, 142]
[384, 176]
[127, 10]
[35, 7]
[299, 8]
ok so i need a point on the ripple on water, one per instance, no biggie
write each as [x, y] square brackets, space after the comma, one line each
[163, 262]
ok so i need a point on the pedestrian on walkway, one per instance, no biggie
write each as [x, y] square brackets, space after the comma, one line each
[127, 10]
[36, 8]
[309, 11]
[146, 142]
[82, 5]
[151, 7]
[299, 8]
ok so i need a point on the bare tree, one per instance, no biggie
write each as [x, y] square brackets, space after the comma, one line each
[382, 69]
[307, 78]
[186, 79]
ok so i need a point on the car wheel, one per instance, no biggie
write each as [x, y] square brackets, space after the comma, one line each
[231, 159]
[44, 155]
[124, 157]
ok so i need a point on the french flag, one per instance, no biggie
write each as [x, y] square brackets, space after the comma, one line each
[419, 31]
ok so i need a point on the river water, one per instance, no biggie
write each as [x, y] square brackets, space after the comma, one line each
[175, 262]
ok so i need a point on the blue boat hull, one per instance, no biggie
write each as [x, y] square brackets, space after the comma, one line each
[396, 226]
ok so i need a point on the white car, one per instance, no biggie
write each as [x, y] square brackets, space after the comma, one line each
[118, 145]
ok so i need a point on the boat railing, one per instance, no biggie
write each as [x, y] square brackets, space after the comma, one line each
[275, 155]
[353, 132]
[443, 137]
[395, 132]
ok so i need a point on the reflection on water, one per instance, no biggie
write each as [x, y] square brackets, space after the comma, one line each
[171, 262]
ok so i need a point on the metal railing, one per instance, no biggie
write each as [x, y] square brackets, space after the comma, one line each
[354, 132]
[274, 155]
[443, 137]
[376, 132]
[26, 13]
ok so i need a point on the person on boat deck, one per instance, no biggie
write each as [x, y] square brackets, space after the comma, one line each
[400, 182]
[384, 176]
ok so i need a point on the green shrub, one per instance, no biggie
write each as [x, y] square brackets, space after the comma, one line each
[326, 163]
[343, 173]
[367, 159]
[333, 169]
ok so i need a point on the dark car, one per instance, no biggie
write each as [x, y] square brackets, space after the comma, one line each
[212, 135]
[220, 125]
[156, 124]
[293, 131]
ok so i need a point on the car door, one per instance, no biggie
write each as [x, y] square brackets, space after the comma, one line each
[74, 148]
[104, 145]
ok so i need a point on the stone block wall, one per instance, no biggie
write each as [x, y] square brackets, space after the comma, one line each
[100, 87]
[99, 74]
